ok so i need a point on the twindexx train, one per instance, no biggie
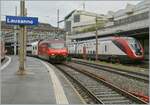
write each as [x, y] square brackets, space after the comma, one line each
[51, 50]
[2, 50]
[115, 49]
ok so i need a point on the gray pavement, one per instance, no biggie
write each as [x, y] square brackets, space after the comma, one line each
[34, 88]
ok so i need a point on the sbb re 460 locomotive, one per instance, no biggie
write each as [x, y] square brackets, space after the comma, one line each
[51, 50]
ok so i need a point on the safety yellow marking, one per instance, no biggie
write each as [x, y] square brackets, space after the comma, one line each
[58, 89]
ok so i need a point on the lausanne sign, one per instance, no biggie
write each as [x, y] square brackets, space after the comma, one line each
[19, 20]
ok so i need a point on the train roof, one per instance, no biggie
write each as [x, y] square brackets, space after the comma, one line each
[102, 39]
[34, 43]
[52, 41]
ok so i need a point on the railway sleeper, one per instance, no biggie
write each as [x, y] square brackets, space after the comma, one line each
[108, 95]
[92, 87]
[97, 86]
[105, 92]
[113, 98]
[100, 90]
[118, 102]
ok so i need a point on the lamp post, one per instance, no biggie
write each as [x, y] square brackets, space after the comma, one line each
[58, 22]
[96, 37]
[65, 38]
[47, 34]
[75, 43]
[21, 70]
[15, 34]
[96, 34]
[25, 37]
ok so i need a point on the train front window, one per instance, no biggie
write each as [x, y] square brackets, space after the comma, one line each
[56, 45]
[134, 44]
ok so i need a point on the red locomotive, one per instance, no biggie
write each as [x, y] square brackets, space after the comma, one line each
[51, 50]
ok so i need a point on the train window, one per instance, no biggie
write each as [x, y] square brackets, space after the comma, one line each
[133, 43]
[105, 48]
[35, 48]
[93, 52]
[90, 52]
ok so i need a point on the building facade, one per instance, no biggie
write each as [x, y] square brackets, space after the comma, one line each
[79, 20]
[132, 21]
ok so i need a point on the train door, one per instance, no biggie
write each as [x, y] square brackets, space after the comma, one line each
[84, 52]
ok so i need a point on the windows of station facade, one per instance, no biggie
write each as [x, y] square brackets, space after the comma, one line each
[68, 26]
[76, 18]
[131, 19]
[106, 49]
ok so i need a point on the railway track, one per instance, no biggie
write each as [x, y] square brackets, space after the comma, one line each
[96, 90]
[130, 74]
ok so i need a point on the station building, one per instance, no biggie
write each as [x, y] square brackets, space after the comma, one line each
[78, 20]
[132, 21]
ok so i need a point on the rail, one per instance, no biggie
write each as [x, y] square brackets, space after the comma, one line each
[131, 74]
[104, 87]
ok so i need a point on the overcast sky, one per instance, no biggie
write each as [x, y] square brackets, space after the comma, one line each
[46, 11]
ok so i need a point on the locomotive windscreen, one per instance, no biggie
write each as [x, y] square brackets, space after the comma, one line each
[56, 45]
[135, 45]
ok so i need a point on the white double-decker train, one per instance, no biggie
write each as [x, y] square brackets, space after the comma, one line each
[115, 49]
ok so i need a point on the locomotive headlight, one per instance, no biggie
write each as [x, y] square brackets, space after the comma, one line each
[53, 54]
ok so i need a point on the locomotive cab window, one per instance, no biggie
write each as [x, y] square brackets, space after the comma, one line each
[134, 44]
[56, 45]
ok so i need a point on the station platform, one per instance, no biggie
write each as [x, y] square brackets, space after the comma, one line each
[42, 84]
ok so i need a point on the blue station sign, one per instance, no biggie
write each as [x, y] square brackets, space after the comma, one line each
[19, 20]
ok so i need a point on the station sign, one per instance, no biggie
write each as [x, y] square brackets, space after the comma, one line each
[20, 20]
